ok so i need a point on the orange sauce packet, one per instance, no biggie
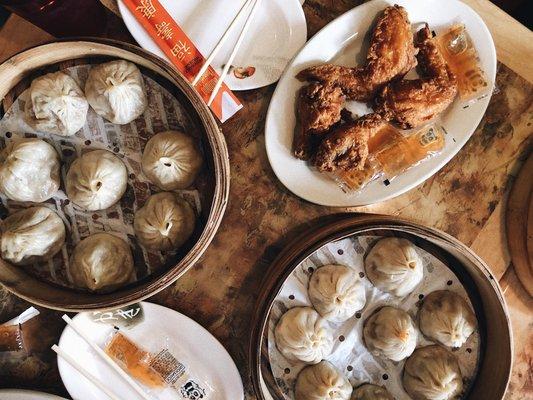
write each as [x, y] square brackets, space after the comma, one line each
[461, 55]
[133, 360]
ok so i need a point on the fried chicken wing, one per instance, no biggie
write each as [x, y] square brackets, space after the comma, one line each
[346, 147]
[391, 55]
[411, 103]
[319, 107]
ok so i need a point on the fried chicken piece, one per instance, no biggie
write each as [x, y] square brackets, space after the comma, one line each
[391, 55]
[346, 147]
[319, 107]
[411, 103]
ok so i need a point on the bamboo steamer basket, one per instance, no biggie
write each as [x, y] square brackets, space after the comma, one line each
[494, 369]
[18, 68]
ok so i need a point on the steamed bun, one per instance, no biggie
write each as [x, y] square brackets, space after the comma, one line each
[165, 222]
[322, 382]
[115, 90]
[171, 160]
[445, 317]
[371, 392]
[394, 266]
[432, 373]
[31, 235]
[56, 104]
[336, 292]
[29, 170]
[302, 334]
[102, 262]
[96, 180]
[390, 333]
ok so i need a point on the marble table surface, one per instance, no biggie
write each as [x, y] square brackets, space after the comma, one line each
[466, 199]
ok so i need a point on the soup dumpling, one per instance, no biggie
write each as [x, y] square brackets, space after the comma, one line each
[29, 170]
[31, 235]
[96, 180]
[102, 262]
[302, 334]
[445, 317]
[171, 160]
[165, 222]
[56, 105]
[391, 333]
[115, 90]
[394, 266]
[336, 292]
[371, 392]
[432, 373]
[322, 382]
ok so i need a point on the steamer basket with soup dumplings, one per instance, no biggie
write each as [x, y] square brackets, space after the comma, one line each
[172, 104]
[479, 368]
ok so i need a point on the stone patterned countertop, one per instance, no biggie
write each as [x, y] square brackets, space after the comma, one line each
[466, 199]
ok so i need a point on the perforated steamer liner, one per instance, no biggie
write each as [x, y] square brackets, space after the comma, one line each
[483, 292]
[214, 190]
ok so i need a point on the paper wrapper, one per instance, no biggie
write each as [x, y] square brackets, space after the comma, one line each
[164, 112]
[349, 353]
[183, 54]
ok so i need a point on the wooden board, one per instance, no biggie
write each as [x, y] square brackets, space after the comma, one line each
[465, 199]
[519, 223]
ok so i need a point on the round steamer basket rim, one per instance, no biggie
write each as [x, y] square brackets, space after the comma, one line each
[342, 226]
[19, 65]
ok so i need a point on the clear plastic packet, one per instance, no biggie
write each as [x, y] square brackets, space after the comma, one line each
[461, 55]
[392, 153]
[14, 334]
[158, 367]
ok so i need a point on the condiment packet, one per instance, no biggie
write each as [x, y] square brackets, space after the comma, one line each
[183, 54]
[159, 366]
[12, 332]
[392, 153]
[459, 52]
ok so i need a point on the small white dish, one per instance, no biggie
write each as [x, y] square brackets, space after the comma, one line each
[208, 357]
[341, 42]
[277, 32]
[19, 394]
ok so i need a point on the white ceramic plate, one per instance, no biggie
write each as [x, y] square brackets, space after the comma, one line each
[340, 42]
[19, 394]
[277, 33]
[209, 357]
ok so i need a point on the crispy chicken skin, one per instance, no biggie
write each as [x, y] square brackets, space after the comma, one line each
[346, 147]
[391, 55]
[318, 108]
[411, 103]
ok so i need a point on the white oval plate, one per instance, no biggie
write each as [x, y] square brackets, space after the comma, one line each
[277, 33]
[19, 394]
[340, 42]
[207, 355]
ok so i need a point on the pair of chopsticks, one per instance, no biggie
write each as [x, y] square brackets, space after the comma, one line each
[254, 4]
[65, 356]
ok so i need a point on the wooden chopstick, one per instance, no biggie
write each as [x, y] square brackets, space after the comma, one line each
[220, 43]
[90, 377]
[107, 359]
[234, 52]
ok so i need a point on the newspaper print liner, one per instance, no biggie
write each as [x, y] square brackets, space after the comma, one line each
[164, 112]
[349, 354]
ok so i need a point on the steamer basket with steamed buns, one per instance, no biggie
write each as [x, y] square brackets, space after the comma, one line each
[15, 76]
[495, 341]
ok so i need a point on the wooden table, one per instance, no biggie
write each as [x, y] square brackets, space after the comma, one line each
[466, 199]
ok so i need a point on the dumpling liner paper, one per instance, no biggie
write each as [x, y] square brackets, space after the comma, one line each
[183, 54]
[164, 112]
[349, 354]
